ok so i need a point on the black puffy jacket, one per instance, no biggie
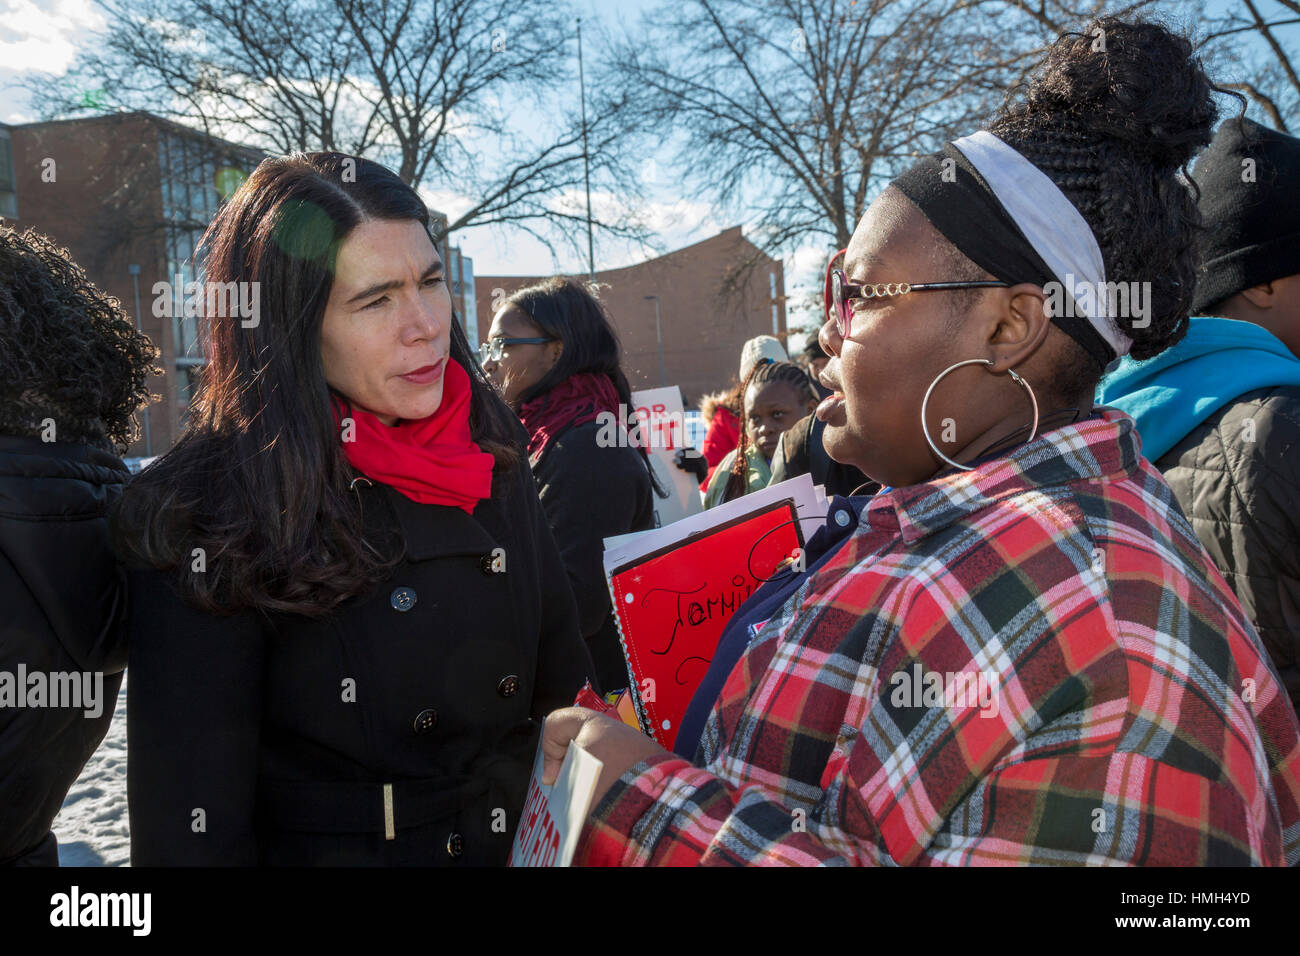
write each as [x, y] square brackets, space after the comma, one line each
[1237, 477]
[62, 612]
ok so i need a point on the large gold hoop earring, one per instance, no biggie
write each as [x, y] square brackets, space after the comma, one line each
[1033, 400]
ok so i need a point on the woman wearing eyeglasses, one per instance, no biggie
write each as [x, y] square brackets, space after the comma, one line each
[1017, 652]
[347, 611]
[554, 356]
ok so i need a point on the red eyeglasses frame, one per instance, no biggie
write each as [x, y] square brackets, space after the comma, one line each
[838, 292]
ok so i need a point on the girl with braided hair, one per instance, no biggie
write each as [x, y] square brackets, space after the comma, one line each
[776, 395]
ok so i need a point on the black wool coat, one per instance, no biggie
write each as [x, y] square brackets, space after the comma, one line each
[801, 451]
[589, 494]
[398, 730]
[62, 610]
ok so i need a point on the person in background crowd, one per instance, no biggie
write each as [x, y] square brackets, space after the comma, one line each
[347, 611]
[801, 450]
[1020, 653]
[723, 410]
[555, 357]
[73, 371]
[814, 359]
[776, 394]
[1219, 413]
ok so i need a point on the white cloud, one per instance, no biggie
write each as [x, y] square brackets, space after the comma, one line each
[811, 257]
[451, 204]
[805, 269]
[500, 250]
[44, 36]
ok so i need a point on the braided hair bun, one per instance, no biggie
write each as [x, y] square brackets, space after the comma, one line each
[1111, 115]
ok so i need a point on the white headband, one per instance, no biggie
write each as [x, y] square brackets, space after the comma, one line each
[1056, 230]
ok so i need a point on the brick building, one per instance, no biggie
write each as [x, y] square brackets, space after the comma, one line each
[130, 195]
[712, 297]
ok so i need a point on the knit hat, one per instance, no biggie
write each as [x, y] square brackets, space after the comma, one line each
[1249, 179]
[759, 348]
[812, 349]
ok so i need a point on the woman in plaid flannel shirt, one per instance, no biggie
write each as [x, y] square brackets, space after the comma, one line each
[1022, 654]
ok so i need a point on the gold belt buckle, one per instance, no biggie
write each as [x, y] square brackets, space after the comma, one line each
[390, 831]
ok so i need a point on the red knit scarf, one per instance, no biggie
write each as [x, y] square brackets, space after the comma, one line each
[430, 460]
[575, 401]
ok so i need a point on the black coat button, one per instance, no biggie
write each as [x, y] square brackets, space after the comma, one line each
[485, 564]
[508, 686]
[426, 720]
[403, 599]
[455, 846]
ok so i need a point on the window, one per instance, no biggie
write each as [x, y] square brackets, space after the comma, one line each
[6, 163]
[189, 167]
[8, 197]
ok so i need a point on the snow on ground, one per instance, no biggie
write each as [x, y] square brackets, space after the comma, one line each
[92, 827]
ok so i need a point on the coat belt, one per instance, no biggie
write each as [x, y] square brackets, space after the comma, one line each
[363, 807]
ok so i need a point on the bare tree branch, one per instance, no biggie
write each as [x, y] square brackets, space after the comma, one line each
[1282, 58]
[431, 88]
[1266, 103]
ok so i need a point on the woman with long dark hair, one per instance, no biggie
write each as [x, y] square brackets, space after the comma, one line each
[556, 359]
[1017, 652]
[347, 610]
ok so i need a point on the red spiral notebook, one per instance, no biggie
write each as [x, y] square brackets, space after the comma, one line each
[672, 602]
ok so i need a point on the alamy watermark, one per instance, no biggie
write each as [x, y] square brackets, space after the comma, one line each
[1121, 300]
[655, 427]
[128, 910]
[74, 689]
[951, 689]
[215, 300]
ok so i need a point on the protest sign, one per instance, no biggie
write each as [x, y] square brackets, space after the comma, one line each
[553, 816]
[675, 588]
[661, 422]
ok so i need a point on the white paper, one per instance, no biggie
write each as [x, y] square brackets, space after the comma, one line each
[553, 816]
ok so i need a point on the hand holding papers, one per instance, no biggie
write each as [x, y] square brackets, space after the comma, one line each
[553, 815]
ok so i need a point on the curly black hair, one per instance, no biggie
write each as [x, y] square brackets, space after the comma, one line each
[67, 350]
[1113, 115]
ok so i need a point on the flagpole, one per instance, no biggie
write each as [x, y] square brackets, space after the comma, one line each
[586, 158]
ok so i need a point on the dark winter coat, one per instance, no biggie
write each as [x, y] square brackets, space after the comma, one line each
[592, 493]
[399, 730]
[62, 604]
[1237, 477]
[801, 452]
[722, 436]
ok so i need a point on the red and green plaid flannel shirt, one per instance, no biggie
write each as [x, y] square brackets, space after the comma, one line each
[1130, 715]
